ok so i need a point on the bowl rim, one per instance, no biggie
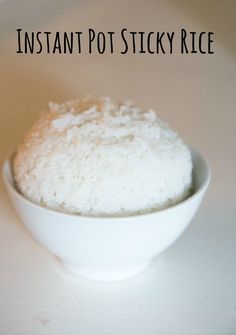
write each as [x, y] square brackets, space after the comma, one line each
[6, 169]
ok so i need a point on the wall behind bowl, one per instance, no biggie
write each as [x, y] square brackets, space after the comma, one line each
[194, 94]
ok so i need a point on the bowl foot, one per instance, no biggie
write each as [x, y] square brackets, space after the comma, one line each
[105, 274]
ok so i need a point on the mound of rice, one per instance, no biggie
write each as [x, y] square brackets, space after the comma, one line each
[102, 158]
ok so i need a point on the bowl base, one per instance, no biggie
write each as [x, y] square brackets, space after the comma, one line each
[105, 275]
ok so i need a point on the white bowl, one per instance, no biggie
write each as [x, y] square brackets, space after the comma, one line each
[108, 248]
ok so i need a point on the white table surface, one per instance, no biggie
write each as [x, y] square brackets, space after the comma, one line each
[191, 288]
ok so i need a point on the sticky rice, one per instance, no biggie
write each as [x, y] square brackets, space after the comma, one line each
[102, 158]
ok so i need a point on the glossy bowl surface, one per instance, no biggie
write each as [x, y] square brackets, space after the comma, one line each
[108, 248]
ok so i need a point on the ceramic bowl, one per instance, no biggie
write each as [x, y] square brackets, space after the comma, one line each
[108, 248]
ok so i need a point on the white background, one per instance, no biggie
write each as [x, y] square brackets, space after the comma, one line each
[191, 288]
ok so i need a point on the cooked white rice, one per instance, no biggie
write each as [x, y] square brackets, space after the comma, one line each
[102, 158]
